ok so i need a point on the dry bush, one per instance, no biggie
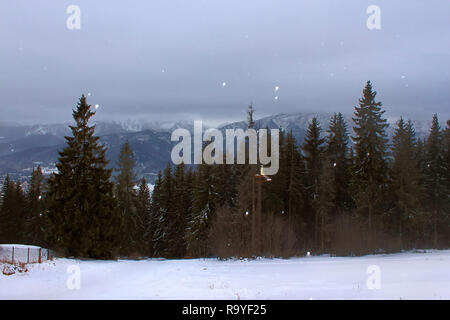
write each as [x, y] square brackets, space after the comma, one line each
[352, 237]
[10, 269]
[349, 237]
[230, 234]
[279, 239]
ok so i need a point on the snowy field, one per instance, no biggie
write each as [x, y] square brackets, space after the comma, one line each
[401, 276]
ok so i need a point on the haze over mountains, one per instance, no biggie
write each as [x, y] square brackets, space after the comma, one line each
[23, 147]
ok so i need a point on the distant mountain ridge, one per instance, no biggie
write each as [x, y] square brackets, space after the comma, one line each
[23, 147]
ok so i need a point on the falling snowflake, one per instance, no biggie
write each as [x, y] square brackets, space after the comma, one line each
[276, 97]
[224, 84]
[96, 106]
[277, 88]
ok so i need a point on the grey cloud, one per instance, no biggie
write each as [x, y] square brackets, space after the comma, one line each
[160, 59]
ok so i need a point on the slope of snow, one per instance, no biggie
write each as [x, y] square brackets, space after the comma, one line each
[403, 276]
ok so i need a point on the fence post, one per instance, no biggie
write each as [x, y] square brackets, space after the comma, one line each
[40, 255]
[28, 256]
[12, 261]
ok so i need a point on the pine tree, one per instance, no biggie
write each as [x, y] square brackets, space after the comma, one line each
[20, 213]
[284, 196]
[125, 183]
[82, 216]
[446, 220]
[370, 168]
[313, 149]
[226, 185]
[325, 204]
[153, 224]
[337, 154]
[405, 217]
[12, 219]
[143, 216]
[435, 180]
[420, 154]
[35, 206]
[203, 209]
[165, 215]
[177, 243]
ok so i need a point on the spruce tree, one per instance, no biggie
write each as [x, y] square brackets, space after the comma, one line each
[405, 217]
[325, 204]
[203, 209]
[125, 192]
[370, 167]
[35, 206]
[420, 154]
[226, 185]
[20, 213]
[446, 220]
[165, 215]
[177, 242]
[12, 219]
[314, 151]
[435, 181]
[83, 219]
[284, 196]
[337, 154]
[143, 216]
[153, 224]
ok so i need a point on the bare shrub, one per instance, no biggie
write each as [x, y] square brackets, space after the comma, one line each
[10, 269]
[230, 234]
[349, 237]
[279, 239]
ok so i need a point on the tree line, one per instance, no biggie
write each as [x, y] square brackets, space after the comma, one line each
[329, 196]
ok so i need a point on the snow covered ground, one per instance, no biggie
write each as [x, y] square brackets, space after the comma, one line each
[411, 275]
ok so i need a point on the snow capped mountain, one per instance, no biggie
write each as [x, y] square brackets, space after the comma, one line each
[158, 126]
[22, 147]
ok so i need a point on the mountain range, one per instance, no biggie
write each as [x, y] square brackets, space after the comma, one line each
[23, 147]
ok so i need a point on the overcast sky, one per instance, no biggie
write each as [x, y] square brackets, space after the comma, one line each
[208, 59]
